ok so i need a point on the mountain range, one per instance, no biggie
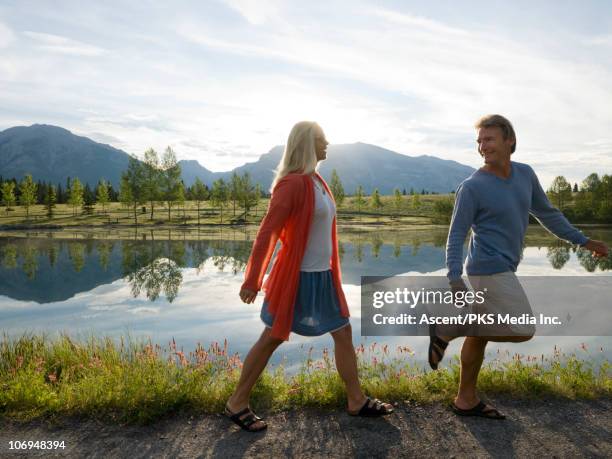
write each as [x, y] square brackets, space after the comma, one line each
[52, 154]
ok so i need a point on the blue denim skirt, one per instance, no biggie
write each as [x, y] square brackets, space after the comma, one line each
[316, 310]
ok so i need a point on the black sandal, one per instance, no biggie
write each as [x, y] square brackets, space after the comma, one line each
[479, 410]
[372, 408]
[437, 345]
[245, 422]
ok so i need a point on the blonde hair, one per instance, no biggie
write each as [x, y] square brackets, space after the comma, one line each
[299, 155]
[501, 122]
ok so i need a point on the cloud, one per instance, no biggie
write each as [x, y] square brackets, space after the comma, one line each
[419, 22]
[599, 40]
[6, 36]
[256, 12]
[63, 45]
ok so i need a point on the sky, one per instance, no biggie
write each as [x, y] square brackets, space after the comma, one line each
[223, 81]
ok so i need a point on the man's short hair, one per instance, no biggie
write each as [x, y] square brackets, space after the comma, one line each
[498, 121]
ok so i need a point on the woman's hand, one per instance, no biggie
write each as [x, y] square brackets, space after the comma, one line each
[597, 248]
[247, 296]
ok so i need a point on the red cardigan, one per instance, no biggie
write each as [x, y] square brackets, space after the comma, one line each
[288, 218]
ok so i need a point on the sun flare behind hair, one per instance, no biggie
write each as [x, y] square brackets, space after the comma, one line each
[300, 154]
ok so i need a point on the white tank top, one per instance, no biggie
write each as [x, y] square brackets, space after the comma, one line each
[317, 256]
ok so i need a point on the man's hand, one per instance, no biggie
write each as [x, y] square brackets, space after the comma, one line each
[247, 296]
[597, 248]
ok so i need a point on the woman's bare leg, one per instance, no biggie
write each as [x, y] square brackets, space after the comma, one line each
[254, 364]
[346, 363]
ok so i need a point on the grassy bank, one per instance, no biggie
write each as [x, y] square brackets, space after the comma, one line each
[114, 214]
[139, 382]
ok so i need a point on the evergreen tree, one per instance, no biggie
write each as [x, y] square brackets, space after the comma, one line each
[235, 192]
[102, 195]
[50, 199]
[398, 200]
[219, 195]
[198, 194]
[28, 193]
[88, 199]
[151, 177]
[170, 178]
[8, 195]
[75, 198]
[336, 188]
[359, 199]
[560, 192]
[375, 202]
[416, 201]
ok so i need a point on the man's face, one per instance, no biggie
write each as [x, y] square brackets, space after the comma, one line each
[494, 149]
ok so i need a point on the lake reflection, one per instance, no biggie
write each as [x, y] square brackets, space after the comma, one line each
[188, 289]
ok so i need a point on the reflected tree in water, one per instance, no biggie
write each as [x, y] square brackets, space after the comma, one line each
[104, 250]
[397, 248]
[9, 256]
[558, 255]
[30, 260]
[162, 274]
[52, 254]
[416, 245]
[76, 253]
[377, 243]
[591, 263]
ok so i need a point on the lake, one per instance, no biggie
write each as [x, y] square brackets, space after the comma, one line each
[184, 286]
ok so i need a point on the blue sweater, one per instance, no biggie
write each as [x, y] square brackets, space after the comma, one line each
[497, 210]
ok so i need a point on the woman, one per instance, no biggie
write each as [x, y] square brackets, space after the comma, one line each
[303, 293]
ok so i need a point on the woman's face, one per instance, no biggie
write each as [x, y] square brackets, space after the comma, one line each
[321, 144]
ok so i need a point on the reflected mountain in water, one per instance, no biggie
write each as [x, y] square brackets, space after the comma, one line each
[53, 270]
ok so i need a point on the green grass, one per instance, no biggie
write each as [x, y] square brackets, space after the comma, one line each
[115, 214]
[138, 382]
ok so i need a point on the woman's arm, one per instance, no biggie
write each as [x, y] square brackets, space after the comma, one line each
[282, 203]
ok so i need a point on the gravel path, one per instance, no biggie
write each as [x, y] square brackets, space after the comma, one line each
[534, 428]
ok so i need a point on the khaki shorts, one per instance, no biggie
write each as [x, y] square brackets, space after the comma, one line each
[504, 295]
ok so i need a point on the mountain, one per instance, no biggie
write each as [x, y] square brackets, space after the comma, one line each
[52, 153]
[372, 167]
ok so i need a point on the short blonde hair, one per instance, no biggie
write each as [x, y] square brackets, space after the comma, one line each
[501, 122]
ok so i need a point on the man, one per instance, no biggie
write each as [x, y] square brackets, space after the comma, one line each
[495, 203]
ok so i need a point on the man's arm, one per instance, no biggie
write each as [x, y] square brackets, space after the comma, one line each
[550, 217]
[464, 213]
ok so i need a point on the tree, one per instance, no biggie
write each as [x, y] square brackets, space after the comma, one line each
[28, 193]
[336, 188]
[560, 192]
[256, 197]
[8, 195]
[132, 186]
[88, 199]
[151, 178]
[75, 198]
[199, 194]
[180, 197]
[375, 202]
[170, 178]
[102, 195]
[397, 196]
[575, 190]
[416, 201]
[50, 199]
[236, 190]
[591, 183]
[249, 200]
[359, 200]
[443, 209]
[219, 195]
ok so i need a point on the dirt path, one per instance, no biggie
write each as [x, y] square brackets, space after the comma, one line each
[537, 428]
